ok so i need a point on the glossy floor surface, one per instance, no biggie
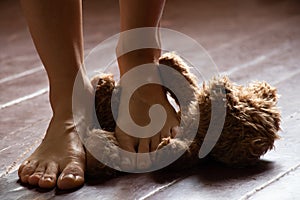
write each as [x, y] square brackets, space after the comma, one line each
[248, 40]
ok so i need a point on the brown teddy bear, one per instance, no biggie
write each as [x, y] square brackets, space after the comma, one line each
[251, 121]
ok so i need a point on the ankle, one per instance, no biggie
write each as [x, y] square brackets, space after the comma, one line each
[62, 113]
[134, 50]
[138, 57]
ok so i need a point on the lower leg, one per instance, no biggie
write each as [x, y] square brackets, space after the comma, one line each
[56, 29]
[137, 14]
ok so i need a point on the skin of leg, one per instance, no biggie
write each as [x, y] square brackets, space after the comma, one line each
[136, 14]
[56, 29]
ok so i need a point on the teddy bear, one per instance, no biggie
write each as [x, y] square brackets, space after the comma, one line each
[249, 128]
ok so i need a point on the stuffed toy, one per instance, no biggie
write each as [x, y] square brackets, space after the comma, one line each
[251, 121]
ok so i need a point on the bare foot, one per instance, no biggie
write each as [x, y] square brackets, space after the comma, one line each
[60, 154]
[140, 103]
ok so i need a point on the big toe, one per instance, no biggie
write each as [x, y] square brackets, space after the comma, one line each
[127, 152]
[71, 177]
[128, 157]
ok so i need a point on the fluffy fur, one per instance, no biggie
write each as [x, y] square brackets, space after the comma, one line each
[251, 123]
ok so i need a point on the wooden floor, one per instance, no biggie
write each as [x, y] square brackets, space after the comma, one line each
[248, 40]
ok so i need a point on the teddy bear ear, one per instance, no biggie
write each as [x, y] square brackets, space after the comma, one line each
[95, 80]
[102, 79]
[174, 61]
[263, 91]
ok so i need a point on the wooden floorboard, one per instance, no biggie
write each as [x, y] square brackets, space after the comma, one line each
[258, 48]
[23, 114]
[289, 183]
[232, 184]
[251, 40]
[23, 86]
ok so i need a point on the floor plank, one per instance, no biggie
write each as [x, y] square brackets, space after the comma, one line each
[23, 86]
[24, 114]
[289, 184]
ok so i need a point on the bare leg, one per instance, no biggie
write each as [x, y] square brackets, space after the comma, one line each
[56, 29]
[136, 14]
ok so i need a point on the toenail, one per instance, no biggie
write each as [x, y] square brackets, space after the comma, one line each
[78, 177]
[72, 176]
[48, 179]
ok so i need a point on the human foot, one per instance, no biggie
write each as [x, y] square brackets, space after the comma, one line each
[139, 106]
[59, 160]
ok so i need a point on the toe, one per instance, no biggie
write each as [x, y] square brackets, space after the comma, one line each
[155, 142]
[34, 178]
[127, 143]
[49, 178]
[176, 131]
[128, 157]
[26, 170]
[25, 163]
[71, 177]
[165, 132]
[170, 130]
[143, 157]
